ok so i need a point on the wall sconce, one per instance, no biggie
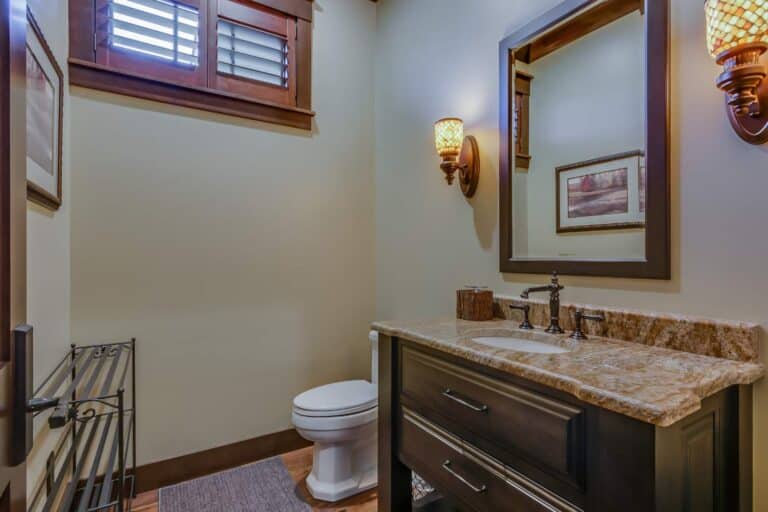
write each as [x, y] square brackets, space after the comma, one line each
[459, 153]
[737, 35]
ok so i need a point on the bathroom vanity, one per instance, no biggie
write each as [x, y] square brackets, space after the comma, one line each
[595, 425]
[642, 413]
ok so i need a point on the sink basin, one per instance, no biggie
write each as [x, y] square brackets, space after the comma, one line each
[520, 345]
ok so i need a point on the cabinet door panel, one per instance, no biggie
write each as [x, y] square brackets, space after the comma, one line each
[542, 430]
[469, 476]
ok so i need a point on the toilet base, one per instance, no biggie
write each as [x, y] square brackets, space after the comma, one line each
[340, 470]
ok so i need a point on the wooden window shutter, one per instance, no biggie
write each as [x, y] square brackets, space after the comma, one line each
[161, 39]
[253, 51]
[521, 121]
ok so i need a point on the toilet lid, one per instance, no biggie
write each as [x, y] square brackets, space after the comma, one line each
[337, 399]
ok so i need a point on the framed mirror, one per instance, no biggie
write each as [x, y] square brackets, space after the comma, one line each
[584, 153]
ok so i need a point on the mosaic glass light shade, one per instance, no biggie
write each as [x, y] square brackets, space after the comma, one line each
[449, 136]
[731, 23]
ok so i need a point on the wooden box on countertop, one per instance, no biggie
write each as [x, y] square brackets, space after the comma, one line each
[474, 304]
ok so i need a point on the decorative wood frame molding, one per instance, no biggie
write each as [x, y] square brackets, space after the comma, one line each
[84, 71]
[656, 264]
[13, 236]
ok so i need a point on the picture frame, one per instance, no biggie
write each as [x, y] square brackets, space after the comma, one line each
[45, 105]
[601, 194]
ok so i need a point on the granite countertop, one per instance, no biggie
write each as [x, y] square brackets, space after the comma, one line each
[651, 384]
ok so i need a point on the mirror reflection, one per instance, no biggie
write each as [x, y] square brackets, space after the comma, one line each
[578, 181]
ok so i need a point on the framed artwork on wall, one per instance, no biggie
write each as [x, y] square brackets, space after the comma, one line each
[45, 98]
[602, 193]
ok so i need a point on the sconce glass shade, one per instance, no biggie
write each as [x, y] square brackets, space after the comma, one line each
[732, 23]
[449, 136]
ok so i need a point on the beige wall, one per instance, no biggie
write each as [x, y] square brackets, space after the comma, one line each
[439, 57]
[239, 254]
[48, 255]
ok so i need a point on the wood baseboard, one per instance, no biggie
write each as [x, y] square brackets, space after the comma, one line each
[172, 471]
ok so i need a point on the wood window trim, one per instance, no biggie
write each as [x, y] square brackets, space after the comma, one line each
[522, 109]
[85, 71]
[93, 76]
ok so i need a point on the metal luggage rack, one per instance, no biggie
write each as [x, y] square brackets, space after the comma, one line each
[86, 393]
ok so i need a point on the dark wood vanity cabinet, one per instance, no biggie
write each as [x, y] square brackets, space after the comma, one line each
[488, 441]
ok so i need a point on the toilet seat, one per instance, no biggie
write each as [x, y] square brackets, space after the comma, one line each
[334, 423]
[337, 399]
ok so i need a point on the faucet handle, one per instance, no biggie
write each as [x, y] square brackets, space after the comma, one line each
[526, 309]
[578, 334]
[556, 281]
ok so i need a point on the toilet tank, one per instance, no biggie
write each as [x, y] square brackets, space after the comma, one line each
[374, 337]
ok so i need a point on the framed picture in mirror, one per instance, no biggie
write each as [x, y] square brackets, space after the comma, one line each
[604, 193]
[592, 118]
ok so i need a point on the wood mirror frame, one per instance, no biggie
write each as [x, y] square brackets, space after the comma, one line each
[563, 24]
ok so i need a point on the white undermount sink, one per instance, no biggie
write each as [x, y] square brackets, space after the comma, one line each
[520, 345]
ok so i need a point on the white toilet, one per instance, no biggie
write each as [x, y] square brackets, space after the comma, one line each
[340, 418]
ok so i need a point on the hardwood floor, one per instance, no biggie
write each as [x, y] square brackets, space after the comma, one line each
[299, 464]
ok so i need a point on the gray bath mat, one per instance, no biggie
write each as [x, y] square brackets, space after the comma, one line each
[265, 486]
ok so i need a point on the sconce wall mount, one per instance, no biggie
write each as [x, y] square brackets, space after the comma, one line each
[458, 153]
[737, 36]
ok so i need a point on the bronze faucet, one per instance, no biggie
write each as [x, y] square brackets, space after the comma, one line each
[526, 309]
[554, 302]
[578, 317]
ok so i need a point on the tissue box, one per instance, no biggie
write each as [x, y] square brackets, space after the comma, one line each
[474, 304]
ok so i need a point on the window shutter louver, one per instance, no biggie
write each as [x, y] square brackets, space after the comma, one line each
[162, 29]
[253, 54]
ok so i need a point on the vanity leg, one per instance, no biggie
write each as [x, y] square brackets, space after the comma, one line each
[394, 476]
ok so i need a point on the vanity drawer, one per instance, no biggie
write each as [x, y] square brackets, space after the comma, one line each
[466, 474]
[545, 432]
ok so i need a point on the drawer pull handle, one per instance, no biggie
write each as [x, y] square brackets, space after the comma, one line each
[448, 393]
[447, 467]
